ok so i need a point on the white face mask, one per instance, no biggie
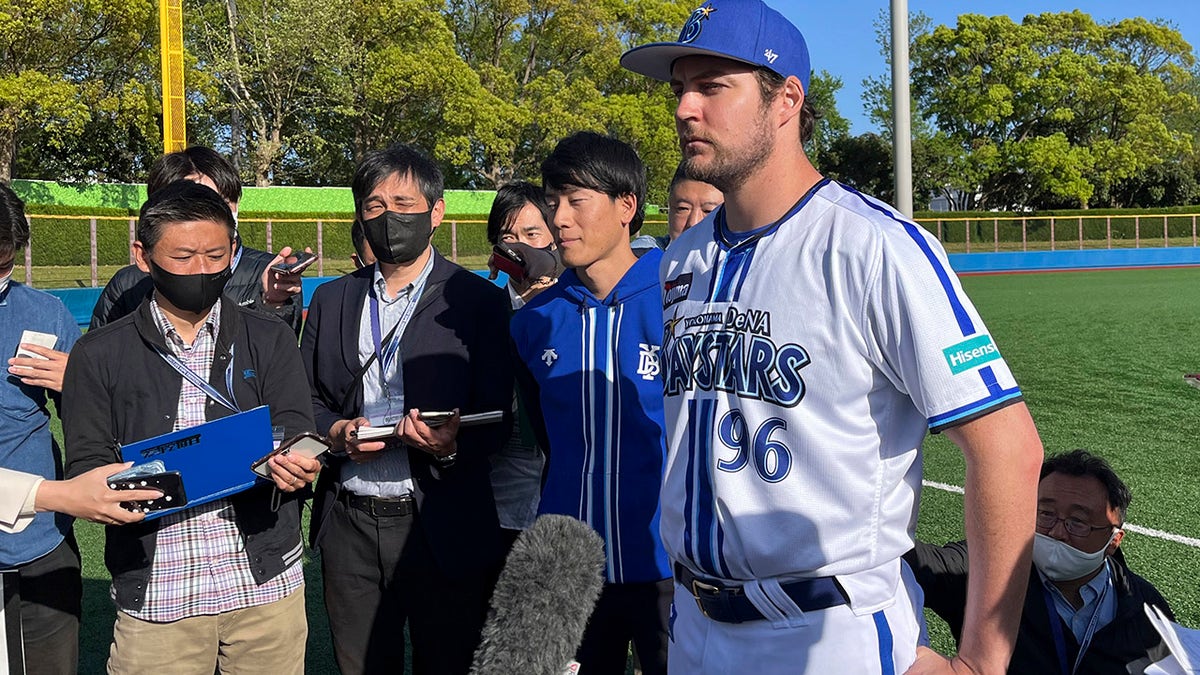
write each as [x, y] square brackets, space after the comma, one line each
[1060, 561]
[4, 282]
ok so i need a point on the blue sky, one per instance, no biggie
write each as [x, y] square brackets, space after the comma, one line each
[841, 35]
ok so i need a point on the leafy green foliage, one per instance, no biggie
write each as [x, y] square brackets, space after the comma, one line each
[74, 103]
[1057, 111]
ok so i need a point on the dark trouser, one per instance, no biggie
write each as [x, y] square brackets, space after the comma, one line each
[635, 612]
[51, 604]
[379, 573]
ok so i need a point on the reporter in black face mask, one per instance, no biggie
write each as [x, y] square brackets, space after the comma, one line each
[125, 382]
[406, 523]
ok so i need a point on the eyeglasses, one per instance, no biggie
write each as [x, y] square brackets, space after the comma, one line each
[1046, 520]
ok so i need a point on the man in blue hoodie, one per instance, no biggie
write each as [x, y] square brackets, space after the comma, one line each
[588, 349]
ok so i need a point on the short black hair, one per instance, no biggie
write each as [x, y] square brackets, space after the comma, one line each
[679, 177]
[509, 201]
[181, 202]
[177, 166]
[1080, 462]
[404, 160]
[602, 163]
[14, 228]
[358, 237]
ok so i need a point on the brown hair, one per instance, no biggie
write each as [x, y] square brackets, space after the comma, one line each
[769, 85]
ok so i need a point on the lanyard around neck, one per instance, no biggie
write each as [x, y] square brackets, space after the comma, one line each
[237, 257]
[386, 353]
[199, 382]
[1056, 622]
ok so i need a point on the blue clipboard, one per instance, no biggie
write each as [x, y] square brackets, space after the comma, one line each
[213, 458]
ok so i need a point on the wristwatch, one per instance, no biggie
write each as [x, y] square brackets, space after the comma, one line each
[447, 460]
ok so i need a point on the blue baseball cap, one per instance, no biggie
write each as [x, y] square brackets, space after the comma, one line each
[742, 30]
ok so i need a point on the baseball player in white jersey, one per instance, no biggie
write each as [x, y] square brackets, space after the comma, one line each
[812, 337]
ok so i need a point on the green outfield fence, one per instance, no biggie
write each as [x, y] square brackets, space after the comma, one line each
[101, 243]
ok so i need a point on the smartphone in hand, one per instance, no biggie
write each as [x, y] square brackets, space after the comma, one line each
[306, 444]
[510, 261]
[304, 259]
[169, 483]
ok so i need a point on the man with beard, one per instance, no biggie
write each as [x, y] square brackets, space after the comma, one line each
[407, 524]
[812, 337]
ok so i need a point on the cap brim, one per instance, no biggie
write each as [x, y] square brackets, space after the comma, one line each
[655, 59]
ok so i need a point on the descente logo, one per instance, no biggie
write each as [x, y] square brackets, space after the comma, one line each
[970, 354]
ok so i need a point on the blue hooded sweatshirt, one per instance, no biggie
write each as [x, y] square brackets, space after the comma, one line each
[592, 380]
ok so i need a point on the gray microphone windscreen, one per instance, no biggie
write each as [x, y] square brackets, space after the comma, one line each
[543, 598]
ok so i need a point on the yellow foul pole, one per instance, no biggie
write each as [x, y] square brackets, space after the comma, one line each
[170, 21]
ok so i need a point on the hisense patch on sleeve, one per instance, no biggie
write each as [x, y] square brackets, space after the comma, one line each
[971, 353]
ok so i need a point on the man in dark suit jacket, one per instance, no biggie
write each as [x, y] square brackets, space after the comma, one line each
[407, 525]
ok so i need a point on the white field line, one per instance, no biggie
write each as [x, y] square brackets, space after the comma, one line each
[1138, 529]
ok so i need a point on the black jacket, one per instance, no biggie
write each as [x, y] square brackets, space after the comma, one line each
[1127, 645]
[455, 351]
[117, 390]
[129, 286]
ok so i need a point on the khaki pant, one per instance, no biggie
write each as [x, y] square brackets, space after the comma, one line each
[265, 639]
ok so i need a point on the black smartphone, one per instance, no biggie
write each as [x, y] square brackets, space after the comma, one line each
[509, 261]
[306, 444]
[302, 262]
[169, 483]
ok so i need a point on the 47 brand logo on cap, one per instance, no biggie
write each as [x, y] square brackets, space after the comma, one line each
[691, 29]
[970, 354]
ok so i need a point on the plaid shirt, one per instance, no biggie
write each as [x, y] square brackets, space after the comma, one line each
[200, 564]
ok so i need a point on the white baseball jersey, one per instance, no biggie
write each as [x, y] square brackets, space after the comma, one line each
[803, 366]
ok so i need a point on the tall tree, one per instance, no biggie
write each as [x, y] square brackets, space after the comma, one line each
[71, 79]
[1057, 107]
[551, 67]
[270, 59]
[863, 162]
[831, 126]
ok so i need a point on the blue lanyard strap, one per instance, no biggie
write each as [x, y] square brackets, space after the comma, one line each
[1092, 624]
[387, 353]
[1060, 641]
[237, 257]
[198, 381]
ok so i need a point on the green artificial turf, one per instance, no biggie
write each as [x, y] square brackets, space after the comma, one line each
[1100, 357]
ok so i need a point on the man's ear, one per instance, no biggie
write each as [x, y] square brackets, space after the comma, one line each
[1112, 548]
[627, 203]
[439, 210]
[140, 256]
[791, 99]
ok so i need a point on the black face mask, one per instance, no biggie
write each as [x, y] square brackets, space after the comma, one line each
[399, 238]
[193, 293]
